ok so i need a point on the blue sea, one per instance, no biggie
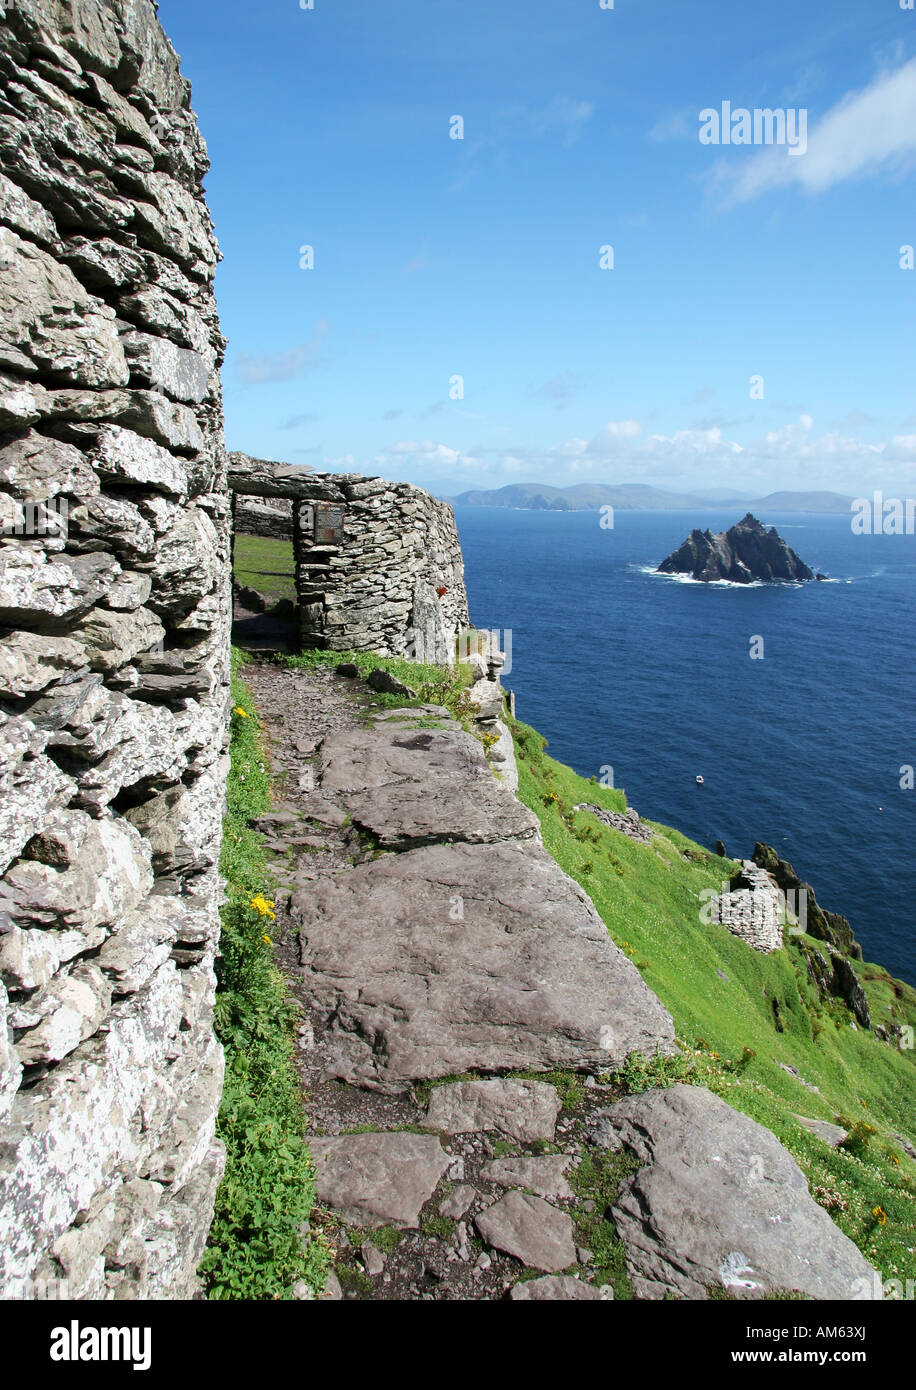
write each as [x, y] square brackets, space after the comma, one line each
[652, 676]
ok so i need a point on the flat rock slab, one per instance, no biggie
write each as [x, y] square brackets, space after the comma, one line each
[378, 1179]
[457, 958]
[530, 1229]
[457, 1202]
[719, 1202]
[525, 1110]
[543, 1176]
[558, 1288]
[831, 1134]
[416, 786]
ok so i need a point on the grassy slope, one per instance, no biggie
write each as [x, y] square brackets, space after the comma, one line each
[649, 898]
[265, 565]
[255, 1248]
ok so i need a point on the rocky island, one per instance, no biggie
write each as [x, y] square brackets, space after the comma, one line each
[747, 552]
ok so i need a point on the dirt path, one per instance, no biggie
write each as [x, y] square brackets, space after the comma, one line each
[441, 1253]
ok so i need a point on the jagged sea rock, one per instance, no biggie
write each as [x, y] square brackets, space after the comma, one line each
[745, 553]
[826, 926]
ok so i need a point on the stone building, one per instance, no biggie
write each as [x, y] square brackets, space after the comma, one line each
[114, 626]
[378, 564]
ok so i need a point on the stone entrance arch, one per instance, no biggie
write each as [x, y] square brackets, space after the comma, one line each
[378, 564]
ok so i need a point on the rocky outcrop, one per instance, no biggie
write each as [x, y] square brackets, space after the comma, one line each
[747, 552]
[113, 658]
[825, 926]
[718, 1203]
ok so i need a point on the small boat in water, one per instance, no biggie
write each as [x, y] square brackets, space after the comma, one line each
[699, 780]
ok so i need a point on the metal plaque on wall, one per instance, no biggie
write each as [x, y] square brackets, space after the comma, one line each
[329, 524]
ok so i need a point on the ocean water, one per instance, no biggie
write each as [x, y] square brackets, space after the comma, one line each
[652, 676]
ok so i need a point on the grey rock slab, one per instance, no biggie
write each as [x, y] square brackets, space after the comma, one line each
[530, 1229]
[378, 1179]
[48, 315]
[113, 638]
[544, 1176]
[373, 1259]
[457, 958]
[124, 457]
[830, 1133]
[29, 661]
[559, 1288]
[718, 1201]
[31, 785]
[525, 1110]
[10, 1065]
[383, 680]
[62, 1014]
[176, 371]
[35, 466]
[418, 785]
[456, 1204]
[37, 588]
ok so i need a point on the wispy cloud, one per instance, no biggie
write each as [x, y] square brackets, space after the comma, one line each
[283, 366]
[871, 131]
[795, 456]
[558, 390]
[491, 139]
[294, 421]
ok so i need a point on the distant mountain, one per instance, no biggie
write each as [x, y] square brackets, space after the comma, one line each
[581, 497]
[590, 497]
[804, 502]
[446, 488]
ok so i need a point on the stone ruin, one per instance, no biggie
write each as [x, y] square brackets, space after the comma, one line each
[114, 645]
[378, 564]
[115, 614]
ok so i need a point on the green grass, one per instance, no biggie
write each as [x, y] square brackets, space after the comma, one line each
[649, 897]
[256, 1248]
[266, 565]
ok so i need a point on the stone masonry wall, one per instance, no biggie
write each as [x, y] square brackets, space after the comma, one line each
[263, 516]
[114, 622]
[392, 578]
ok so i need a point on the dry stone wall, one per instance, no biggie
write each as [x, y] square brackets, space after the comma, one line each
[378, 564]
[114, 623]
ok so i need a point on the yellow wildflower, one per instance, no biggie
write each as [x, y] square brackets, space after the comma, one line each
[267, 940]
[880, 1215]
[264, 906]
[242, 713]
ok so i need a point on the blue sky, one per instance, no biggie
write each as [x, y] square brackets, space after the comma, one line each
[479, 258]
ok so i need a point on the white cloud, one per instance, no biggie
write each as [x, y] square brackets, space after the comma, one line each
[283, 366]
[868, 132]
